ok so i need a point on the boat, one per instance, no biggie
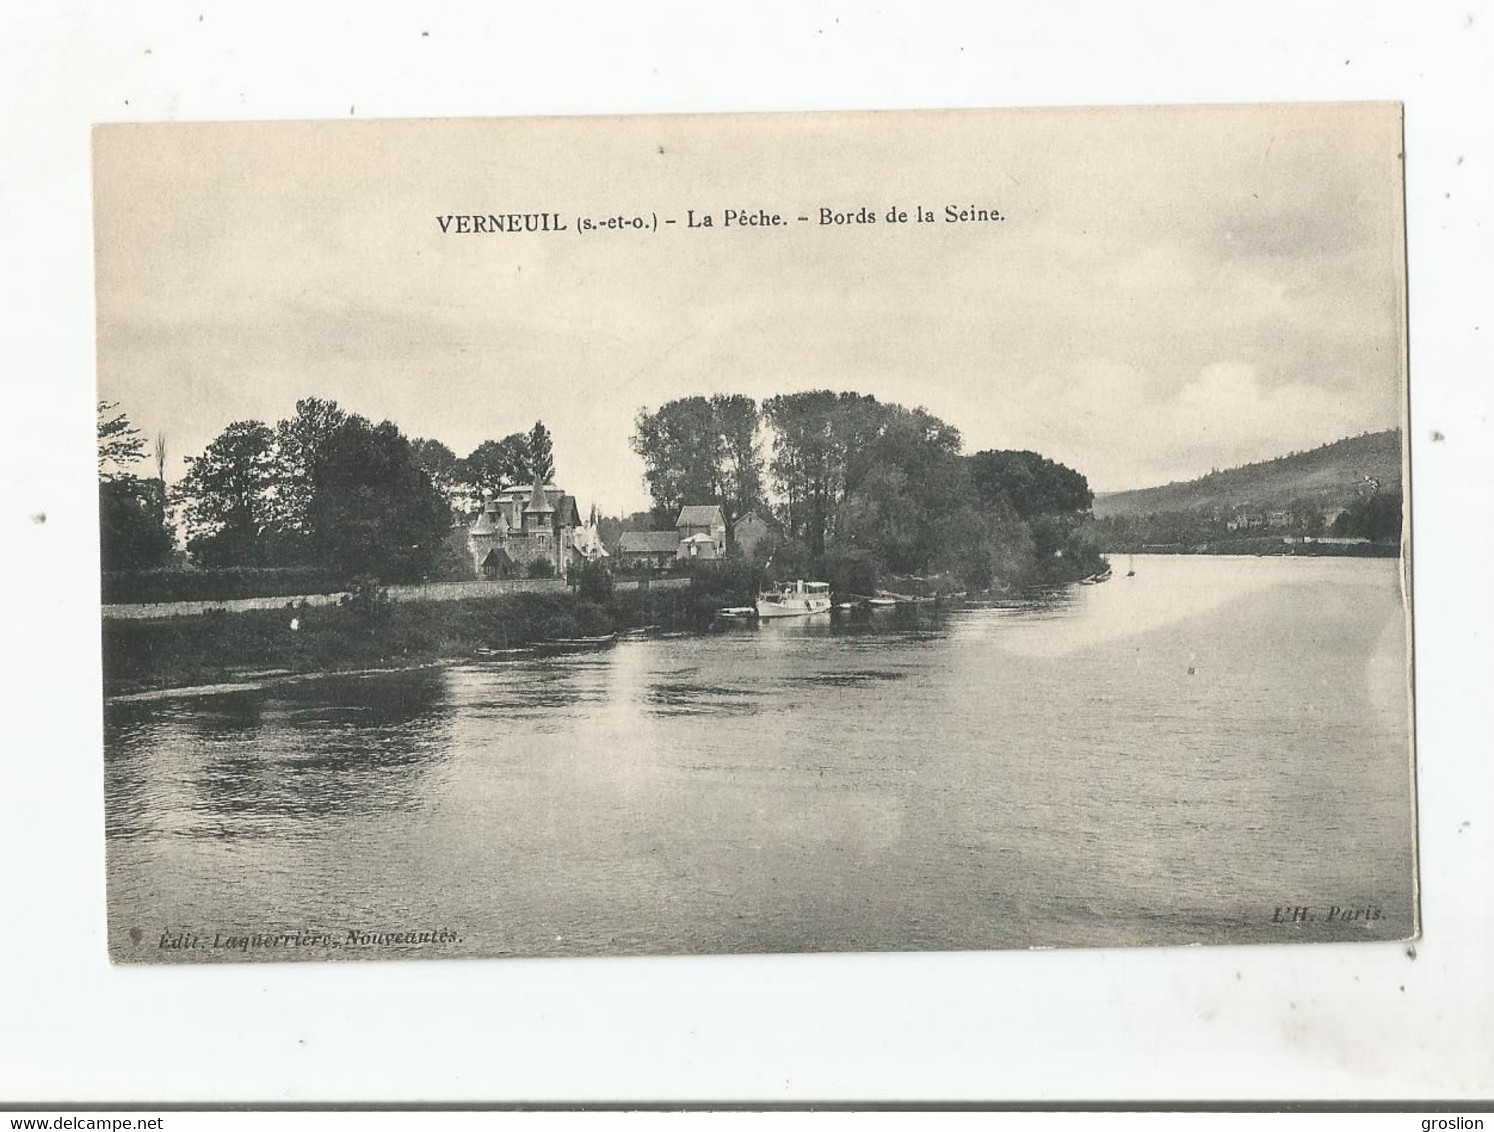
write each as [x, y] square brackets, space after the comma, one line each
[575, 644]
[499, 654]
[882, 601]
[794, 599]
[737, 613]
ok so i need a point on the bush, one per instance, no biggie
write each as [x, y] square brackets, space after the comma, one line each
[139, 586]
[594, 581]
[540, 568]
[366, 597]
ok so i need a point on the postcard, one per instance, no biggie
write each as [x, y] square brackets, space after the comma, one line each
[754, 533]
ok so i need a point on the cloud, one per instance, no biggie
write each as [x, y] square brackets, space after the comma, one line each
[1121, 431]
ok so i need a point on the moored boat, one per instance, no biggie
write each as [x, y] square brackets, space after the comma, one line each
[575, 644]
[794, 599]
[498, 654]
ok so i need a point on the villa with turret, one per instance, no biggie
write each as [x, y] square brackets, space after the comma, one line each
[521, 526]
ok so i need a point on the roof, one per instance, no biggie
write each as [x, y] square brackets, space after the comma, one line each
[648, 542]
[539, 502]
[765, 520]
[489, 520]
[700, 515]
[568, 514]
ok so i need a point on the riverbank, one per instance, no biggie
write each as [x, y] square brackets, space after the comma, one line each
[1266, 546]
[247, 647]
[250, 645]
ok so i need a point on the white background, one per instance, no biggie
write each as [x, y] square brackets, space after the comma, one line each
[1332, 1021]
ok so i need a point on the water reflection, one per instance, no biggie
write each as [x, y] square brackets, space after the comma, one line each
[259, 763]
[1156, 759]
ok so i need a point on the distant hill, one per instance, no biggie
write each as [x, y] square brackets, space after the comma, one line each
[1327, 477]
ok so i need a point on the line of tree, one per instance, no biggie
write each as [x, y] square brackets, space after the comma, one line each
[1369, 513]
[323, 488]
[858, 478]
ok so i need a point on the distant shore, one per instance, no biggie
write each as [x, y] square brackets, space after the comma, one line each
[1268, 547]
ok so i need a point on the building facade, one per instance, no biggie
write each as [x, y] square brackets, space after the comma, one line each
[702, 532]
[524, 525]
[751, 532]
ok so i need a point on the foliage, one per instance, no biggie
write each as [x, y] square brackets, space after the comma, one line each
[495, 465]
[1377, 518]
[1327, 477]
[868, 487]
[373, 508]
[699, 450]
[594, 580]
[367, 599]
[300, 446]
[228, 497]
[541, 455]
[1032, 484]
[440, 463]
[119, 442]
[166, 585]
[539, 568]
[133, 534]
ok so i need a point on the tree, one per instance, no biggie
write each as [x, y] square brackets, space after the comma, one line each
[683, 455]
[442, 466]
[300, 443]
[804, 462]
[1033, 484]
[541, 455]
[740, 478]
[228, 496]
[495, 465]
[374, 510]
[120, 443]
[133, 533]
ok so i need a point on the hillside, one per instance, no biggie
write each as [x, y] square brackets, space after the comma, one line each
[1328, 477]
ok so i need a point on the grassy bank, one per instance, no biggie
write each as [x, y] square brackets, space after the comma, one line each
[221, 647]
[369, 631]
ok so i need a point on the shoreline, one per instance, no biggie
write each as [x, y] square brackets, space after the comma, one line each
[263, 683]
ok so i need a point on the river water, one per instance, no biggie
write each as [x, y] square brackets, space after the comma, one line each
[1182, 756]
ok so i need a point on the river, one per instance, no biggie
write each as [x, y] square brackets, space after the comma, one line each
[1174, 757]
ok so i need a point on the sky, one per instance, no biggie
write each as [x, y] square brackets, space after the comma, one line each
[1170, 291]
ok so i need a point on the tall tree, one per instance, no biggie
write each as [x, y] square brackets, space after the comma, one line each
[806, 463]
[300, 443]
[541, 455]
[442, 466]
[736, 420]
[680, 450]
[228, 496]
[120, 443]
[495, 465]
[374, 510]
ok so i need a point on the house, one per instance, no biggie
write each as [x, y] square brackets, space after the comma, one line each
[523, 525]
[648, 550]
[752, 531]
[702, 527]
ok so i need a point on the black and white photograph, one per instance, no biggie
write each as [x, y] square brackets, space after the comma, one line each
[754, 533]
